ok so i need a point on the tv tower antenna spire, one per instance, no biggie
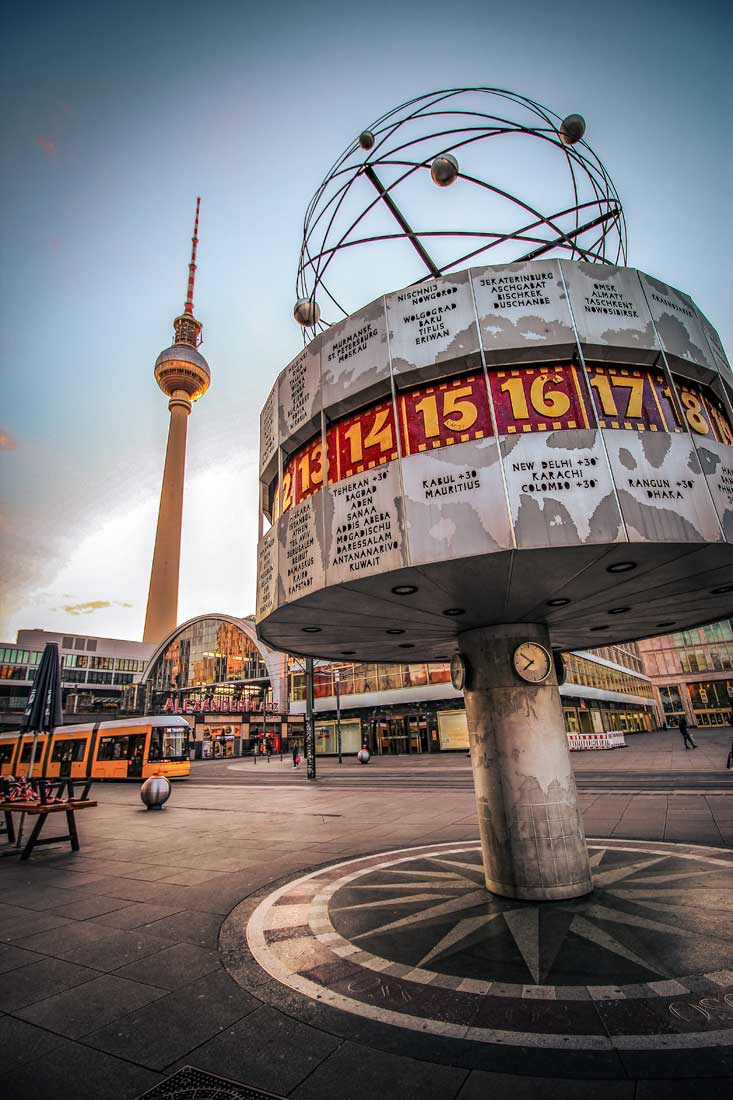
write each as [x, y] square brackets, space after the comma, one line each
[188, 308]
[186, 327]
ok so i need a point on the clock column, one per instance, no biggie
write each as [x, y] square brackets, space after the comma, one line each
[530, 825]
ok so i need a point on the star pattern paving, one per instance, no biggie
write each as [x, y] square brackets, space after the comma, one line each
[651, 917]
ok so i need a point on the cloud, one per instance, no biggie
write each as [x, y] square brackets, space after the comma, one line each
[7, 443]
[92, 605]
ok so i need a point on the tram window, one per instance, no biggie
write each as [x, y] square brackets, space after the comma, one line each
[6, 753]
[113, 748]
[25, 756]
[68, 750]
[169, 743]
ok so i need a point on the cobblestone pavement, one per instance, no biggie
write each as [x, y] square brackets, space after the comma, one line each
[281, 934]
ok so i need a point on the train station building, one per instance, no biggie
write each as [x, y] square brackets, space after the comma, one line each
[238, 693]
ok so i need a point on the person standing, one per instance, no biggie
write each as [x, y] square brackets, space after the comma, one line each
[686, 735]
[296, 755]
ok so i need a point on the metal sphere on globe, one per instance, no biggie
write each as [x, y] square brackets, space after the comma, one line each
[366, 139]
[155, 792]
[307, 312]
[363, 756]
[572, 129]
[444, 170]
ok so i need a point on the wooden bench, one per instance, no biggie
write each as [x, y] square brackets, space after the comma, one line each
[43, 809]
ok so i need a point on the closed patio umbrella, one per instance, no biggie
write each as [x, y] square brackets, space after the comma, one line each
[43, 710]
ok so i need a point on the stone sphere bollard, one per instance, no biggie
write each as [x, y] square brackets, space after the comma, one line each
[363, 756]
[155, 791]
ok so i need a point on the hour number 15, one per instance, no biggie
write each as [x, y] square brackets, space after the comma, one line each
[458, 414]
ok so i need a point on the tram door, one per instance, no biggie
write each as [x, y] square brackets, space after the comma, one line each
[136, 748]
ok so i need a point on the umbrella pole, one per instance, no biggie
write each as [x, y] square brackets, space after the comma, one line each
[30, 776]
[33, 755]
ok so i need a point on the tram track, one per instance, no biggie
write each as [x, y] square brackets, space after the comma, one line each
[679, 783]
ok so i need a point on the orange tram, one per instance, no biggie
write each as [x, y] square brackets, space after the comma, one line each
[132, 748]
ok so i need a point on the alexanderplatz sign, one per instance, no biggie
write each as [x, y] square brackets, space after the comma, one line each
[487, 466]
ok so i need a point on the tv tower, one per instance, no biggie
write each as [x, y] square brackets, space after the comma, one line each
[183, 375]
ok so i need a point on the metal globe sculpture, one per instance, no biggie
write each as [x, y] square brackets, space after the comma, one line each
[155, 792]
[493, 461]
[363, 755]
[559, 201]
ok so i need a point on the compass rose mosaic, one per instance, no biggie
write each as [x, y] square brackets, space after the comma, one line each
[412, 938]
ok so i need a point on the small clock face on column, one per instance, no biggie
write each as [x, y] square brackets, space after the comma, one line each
[458, 672]
[532, 662]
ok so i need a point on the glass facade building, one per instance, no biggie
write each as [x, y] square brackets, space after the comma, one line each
[412, 708]
[96, 673]
[231, 688]
[207, 655]
[240, 696]
[692, 674]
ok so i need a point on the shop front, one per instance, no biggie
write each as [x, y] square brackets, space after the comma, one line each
[267, 735]
[400, 732]
[582, 716]
[219, 741]
[711, 702]
[588, 716]
[327, 736]
[708, 703]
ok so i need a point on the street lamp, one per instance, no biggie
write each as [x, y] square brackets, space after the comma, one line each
[264, 722]
[337, 682]
[309, 726]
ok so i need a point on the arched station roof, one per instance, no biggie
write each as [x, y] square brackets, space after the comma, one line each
[273, 660]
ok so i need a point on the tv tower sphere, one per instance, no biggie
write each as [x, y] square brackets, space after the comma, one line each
[182, 369]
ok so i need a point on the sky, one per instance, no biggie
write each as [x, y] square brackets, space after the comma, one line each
[116, 116]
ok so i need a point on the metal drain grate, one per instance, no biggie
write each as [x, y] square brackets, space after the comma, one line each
[194, 1084]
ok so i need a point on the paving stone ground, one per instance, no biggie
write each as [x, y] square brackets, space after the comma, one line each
[112, 970]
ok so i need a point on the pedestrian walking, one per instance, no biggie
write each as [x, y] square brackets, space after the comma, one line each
[686, 735]
[296, 755]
